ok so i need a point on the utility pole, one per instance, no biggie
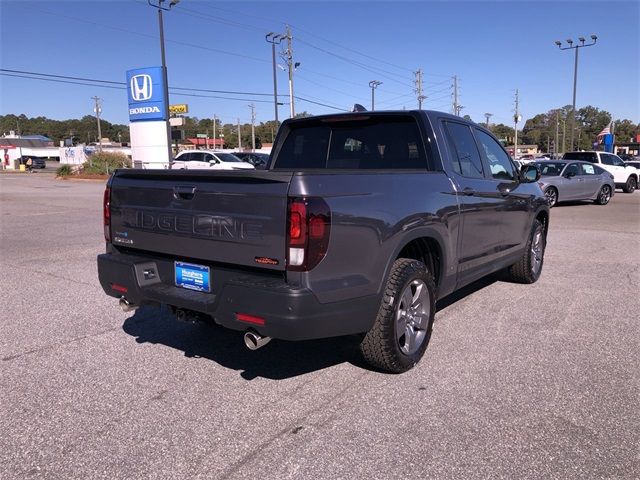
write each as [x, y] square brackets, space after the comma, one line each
[239, 137]
[488, 116]
[516, 119]
[253, 127]
[98, 109]
[418, 90]
[287, 55]
[214, 131]
[576, 47]
[373, 84]
[456, 110]
[274, 39]
[556, 145]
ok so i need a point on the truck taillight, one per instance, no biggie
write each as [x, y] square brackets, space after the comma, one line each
[106, 213]
[308, 230]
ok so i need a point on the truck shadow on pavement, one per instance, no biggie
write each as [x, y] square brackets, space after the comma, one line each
[277, 360]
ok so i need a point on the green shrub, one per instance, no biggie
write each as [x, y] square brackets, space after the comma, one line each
[64, 171]
[106, 162]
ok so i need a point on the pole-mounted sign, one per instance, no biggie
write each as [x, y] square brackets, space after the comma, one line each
[145, 89]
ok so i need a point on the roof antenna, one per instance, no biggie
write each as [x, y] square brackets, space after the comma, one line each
[358, 108]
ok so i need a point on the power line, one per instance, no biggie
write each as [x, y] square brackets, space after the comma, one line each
[146, 35]
[101, 85]
[94, 80]
[386, 74]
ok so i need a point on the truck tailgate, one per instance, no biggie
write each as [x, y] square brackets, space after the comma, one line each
[232, 217]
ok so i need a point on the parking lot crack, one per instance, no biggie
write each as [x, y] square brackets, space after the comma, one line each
[292, 427]
[44, 348]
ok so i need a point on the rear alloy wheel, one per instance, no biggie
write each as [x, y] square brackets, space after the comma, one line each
[552, 196]
[604, 196]
[630, 186]
[401, 332]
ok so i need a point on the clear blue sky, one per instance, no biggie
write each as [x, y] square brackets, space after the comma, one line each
[493, 47]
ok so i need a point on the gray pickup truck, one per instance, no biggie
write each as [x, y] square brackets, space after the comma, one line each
[360, 223]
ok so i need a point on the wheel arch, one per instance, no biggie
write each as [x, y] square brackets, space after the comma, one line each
[428, 246]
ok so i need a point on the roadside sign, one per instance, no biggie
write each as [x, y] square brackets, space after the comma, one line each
[201, 135]
[176, 121]
[178, 109]
[146, 94]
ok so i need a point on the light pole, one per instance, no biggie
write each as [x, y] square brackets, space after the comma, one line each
[488, 116]
[158, 5]
[98, 110]
[576, 47]
[274, 39]
[373, 84]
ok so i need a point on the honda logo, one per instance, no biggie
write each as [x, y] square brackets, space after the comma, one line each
[141, 87]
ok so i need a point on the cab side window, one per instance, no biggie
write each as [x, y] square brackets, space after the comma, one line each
[465, 159]
[499, 162]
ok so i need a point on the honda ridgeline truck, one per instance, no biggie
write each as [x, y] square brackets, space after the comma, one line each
[360, 223]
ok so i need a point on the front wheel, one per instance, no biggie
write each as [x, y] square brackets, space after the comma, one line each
[529, 267]
[401, 332]
[630, 185]
[551, 194]
[604, 195]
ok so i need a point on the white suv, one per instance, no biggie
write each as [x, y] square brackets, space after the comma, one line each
[208, 159]
[624, 176]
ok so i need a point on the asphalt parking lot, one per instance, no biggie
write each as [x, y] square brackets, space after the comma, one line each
[539, 381]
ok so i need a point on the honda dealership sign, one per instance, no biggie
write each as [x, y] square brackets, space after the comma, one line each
[148, 114]
[146, 94]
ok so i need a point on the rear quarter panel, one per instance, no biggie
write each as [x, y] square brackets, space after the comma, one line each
[373, 215]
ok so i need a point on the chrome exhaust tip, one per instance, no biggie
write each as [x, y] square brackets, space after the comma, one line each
[254, 341]
[126, 306]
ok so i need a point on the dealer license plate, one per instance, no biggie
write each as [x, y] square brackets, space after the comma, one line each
[193, 277]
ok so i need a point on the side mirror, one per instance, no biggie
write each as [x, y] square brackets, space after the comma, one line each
[530, 173]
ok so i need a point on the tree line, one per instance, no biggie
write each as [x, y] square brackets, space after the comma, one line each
[539, 130]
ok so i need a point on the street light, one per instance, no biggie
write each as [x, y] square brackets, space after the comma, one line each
[576, 47]
[274, 39]
[158, 5]
[373, 84]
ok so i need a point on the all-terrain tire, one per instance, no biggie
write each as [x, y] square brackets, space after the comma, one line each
[383, 346]
[529, 267]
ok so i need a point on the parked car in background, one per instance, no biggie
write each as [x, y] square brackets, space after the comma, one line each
[36, 162]
[628, 158]
[544, 156]
[257, 159]
[208, 159]
[565, 180]
[625, 177]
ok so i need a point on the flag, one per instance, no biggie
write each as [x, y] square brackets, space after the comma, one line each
[605, 131]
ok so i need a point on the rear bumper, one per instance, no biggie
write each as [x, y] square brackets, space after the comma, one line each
[289, 313]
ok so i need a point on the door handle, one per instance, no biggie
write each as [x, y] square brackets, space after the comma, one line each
[469, 191]
[184, 192]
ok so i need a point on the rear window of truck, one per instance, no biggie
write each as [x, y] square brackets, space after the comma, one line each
[375, 142]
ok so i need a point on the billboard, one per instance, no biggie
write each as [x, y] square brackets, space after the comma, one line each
[145, 91]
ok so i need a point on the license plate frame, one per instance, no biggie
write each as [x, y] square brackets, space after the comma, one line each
[192, 276]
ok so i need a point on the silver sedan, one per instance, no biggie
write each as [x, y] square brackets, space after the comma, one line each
[563, 180]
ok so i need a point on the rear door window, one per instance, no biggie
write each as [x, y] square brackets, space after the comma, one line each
[466, 159]
[375, 142]
[588, 169]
